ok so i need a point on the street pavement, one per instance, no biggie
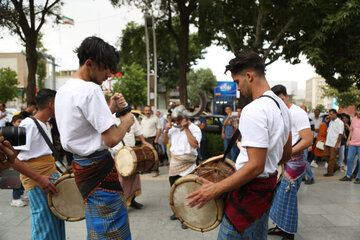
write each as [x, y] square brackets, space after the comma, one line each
[328, 209]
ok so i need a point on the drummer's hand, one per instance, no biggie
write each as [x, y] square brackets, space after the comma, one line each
[146, 143]
[7, 152]
[46, 185]
[117, 101]
[127, 119]
[202, 195]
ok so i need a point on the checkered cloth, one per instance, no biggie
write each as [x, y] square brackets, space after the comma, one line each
[284, 210]
[106, 216]
[256, 231]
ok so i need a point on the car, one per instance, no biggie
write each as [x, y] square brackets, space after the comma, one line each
[213, 123]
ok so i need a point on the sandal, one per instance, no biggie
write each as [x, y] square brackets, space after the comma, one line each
[276, 231]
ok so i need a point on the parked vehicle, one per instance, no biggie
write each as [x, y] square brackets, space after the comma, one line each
[213, 123]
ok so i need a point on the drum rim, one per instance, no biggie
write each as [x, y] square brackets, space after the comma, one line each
[227, 160]
[132, 152]
[218, 202]
[51, 204]
[282, 173]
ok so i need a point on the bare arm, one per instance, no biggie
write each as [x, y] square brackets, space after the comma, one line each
[156, 140]
[287, 151]
[192, 140]
[143, 141]
[337, 142]
[114, 135]
[349, 138]
[306, 141]
[209, 190]
[165, 136]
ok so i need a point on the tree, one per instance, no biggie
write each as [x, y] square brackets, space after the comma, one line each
[26, 21]
[320, 107]
[350, 97]
[178, 15]
[8, 82]
[132, 85]
[133, 50]
[201, 80]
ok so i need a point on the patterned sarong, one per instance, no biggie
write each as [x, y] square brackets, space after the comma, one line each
[256, 231]
[181, 163]
[105, 210]
[131, 186]
[295, 167]
[284, 210]
[44, 224]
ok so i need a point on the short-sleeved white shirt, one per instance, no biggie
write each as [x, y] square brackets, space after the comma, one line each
[179, 142]
[300, 121]
[150, 126]
[335, 128]
[35, 144]
[129, 138]
[317, 123]
[3, 120]
[82, 114]
[263, 125]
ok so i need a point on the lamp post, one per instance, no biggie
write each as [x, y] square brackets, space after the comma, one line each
[149, 23]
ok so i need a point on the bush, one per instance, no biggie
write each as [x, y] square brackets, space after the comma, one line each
[214, 144]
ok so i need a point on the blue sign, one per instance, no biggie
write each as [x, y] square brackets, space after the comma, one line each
[225, 91]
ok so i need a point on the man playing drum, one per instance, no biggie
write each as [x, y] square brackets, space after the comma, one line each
[87, 129]
[266, 141]
[37, 156]
[131, 184]
[185, 138]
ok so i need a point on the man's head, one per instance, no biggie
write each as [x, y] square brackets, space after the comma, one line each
[317, 113]
[332, 114]
[238, 110]
[158, 114]
[280, 91]
[98, 58]
[358, 110]
[147, 111]
[31, 106]
[45, 100]
[245, 68]
[16, 120]
[2, 107]
[228, 109]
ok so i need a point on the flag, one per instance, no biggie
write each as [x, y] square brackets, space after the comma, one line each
[67, 20]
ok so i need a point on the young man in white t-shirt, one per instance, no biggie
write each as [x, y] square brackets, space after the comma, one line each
[88, 129]
[332, 144]
[266, 142]
[284, 205]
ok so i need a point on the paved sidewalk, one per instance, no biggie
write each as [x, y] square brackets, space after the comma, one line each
[329, 209]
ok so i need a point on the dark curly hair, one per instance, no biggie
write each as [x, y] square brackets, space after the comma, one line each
[246, 60]
[98, 50]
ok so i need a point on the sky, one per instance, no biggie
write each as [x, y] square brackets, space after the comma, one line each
[100, 18]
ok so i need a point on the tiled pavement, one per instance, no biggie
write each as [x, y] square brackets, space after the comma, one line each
[328, 210]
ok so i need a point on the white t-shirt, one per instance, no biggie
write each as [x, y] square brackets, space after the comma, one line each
[263, 125]
[300, 121]
[317, 123]
[150, 126]
[335, 128]
[35, 144]
[129, 138]
[82, 114]
[179, 142]
[3, 120]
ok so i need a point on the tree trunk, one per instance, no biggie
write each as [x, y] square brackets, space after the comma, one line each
[183, 58]
[31, 59]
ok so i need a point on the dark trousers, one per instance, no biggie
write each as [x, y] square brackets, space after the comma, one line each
[17, 192]
[151, 141]
[330, 157]
[172, 179]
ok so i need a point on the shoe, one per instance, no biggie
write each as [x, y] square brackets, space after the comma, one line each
[156, 174]
[183, 226]
[314, 164]
[309, 181]
[342, 170]
[357, 181]
[326, 165]
[161, 164]
[276, 231]
[328, 175]
[25, 198]
[336, 168]
[303, 179]
[288, 236]
[17, 203]
[173, 217]
[345, 179]
[136, 205]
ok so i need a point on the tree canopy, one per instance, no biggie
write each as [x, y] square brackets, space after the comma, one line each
[201, 80]
[8, 82]
[26, 20]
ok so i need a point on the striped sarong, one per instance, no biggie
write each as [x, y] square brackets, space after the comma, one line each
[105, 205]
[256, 231]
[284, 210]
[44, 224]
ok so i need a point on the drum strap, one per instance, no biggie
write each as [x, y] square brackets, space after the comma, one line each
[51, 146]
[236, 134]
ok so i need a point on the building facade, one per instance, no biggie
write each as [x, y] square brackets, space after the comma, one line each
[314, 93]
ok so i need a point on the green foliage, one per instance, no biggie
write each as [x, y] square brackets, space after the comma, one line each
[132, 85]
[214, 144]
[8, 82]
[41, 74]
[350, 97]
[320, 107]
[201, 80]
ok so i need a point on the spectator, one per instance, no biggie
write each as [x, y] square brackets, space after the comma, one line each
[201, 123]
[228, 130]
[30, 109]
[317, 120]
[3, 114]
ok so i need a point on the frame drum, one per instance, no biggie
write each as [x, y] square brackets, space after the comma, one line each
[281, 169]
[68, 203]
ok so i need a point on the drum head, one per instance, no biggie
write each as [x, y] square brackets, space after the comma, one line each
[125, 161]
[68, 203]
[280, 170]
[204, 219]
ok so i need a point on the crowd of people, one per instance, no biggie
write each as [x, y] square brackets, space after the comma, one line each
[273, 132]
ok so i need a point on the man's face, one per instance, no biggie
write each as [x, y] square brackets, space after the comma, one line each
[99, 73]
[158, 114]
[317, 113]
[17, 122]
[358, 112]
[2, 108]
[284, 98]
[147, 111]
[242, 84]
[31, 108]
[178, 120]
[238, 110]
[228, 110]
[332, 115]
